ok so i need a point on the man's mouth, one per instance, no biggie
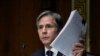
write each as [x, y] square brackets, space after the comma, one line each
[45, 38]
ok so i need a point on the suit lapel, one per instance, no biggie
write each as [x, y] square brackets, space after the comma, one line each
[42, 53]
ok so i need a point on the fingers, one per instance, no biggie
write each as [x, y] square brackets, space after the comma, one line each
[82, 41]
[78, 48]
[78, 52]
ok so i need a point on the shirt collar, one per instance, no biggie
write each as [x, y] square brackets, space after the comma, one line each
[53, 50]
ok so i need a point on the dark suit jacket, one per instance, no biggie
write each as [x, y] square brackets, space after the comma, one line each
[41, 52]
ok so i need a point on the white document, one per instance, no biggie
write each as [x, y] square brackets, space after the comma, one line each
[69, 35]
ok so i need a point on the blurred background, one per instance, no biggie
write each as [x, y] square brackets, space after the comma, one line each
[18, 33]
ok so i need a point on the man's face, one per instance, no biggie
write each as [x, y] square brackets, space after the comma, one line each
[47, 30]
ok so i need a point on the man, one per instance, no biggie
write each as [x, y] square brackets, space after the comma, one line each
[49, 25]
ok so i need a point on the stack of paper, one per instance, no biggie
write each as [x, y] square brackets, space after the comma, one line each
[69, 35]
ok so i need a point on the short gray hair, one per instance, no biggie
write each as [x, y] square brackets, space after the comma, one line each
[55, 16]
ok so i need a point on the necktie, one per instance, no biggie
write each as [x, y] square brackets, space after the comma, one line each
[49, 53]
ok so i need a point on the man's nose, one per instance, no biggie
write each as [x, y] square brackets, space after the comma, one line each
[44, 30]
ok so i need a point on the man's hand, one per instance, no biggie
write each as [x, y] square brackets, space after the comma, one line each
[78, 48]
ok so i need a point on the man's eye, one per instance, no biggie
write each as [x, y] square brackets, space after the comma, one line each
[40, 27]
[49, 26]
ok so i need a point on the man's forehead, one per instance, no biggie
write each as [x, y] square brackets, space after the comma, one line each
[46, 19]
[46, 23]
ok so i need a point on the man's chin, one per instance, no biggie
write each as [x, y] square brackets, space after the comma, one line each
[46, 43]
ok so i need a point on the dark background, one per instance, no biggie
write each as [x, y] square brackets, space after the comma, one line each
[18, 33]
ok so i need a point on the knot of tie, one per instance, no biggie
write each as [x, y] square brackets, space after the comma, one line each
[49, 53]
